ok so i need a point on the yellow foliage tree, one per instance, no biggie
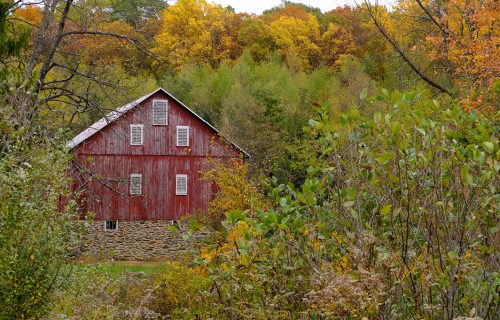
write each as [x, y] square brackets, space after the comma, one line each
[336, 42]
[470, 41]
[235, 191]
[297, 41]
[195, 31]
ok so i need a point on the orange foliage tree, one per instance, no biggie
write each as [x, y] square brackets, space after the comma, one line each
[452, 45]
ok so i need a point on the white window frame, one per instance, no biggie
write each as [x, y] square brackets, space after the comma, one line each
[166, 112]
[177, 191]
[135, 175]
[132, 126]
[106, 229]
[177, 136]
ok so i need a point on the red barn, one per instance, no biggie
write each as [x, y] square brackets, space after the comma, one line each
[142, 165]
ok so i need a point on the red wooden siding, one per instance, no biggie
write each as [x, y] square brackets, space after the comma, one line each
[108, 160]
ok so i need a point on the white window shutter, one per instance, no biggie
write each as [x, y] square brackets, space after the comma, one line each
[160, 108]
[182, 136]
[136, 134]
[136, 184]
[181, 184]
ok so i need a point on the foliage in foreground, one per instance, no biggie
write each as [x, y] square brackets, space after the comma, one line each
[35, 234]
[398, 220]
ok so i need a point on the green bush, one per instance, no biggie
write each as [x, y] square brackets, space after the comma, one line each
[182, 292]
[397, 218]
[35, 236]
[37, 232]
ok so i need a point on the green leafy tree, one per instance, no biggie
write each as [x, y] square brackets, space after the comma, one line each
[137, 12]
[37, 231]
[398, 219]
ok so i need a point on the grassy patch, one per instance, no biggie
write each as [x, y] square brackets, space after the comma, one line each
[115, 269]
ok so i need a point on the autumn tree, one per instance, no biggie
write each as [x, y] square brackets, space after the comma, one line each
[195, 31]
[297, 41]
[136, 13]
[255, 36]
[453, 46]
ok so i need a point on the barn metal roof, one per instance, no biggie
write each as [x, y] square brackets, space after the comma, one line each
[114, 115]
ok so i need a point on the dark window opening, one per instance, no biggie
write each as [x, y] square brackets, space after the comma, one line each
[111, 225]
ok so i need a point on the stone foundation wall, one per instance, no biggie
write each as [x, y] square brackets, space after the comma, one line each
[139, 240]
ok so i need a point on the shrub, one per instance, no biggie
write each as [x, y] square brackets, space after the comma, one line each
[97, 294]
[36, 231]
[182, 292]
[35, 235]
[398, 218]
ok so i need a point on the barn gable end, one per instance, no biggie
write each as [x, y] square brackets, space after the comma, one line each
[116, 152]
[126, 113]
[140, 168]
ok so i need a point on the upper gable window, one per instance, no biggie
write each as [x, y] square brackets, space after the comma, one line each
[160, 112]
[182, 136]
[136, 134]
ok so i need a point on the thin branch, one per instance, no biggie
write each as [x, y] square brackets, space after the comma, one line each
[433, 19]
[136, 43]
[401, 53]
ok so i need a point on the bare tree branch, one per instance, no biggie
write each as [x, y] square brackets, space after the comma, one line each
[48, 12]
[50, 56]
[136, 43]
[393, 43]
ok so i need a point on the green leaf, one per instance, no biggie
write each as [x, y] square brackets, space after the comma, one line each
[384, 158]
[396, 127]
[489, 146]
[363, 94]
[453, 256]
[466, 177]
[313, 123]
[349, 204]
[385, 210]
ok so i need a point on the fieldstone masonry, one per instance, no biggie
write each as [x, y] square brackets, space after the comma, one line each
[139, 240]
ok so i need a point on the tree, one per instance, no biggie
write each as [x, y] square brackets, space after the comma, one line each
[36, 232]
[10, 46]
[137, 12]
[297, 41]
[196, 31]
[68, 80]
[255, 36]
[456, 42]
[335, 42]
[397, 219]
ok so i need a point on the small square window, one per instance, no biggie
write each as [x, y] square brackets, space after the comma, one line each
[160, 108]
[136, 184]
[182, 136]
[181, 184]
[136, 134]
[111, 225]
